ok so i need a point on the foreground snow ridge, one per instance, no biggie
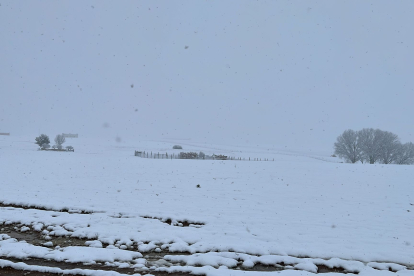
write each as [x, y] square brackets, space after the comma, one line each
[102, 210]
[96, 248]
[213, 263]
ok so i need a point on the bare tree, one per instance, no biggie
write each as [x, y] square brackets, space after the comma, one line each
[390, 147]
[406, 154]
[59, 140]
[42, 139]
[370, 142]
[372, 146]
[347, 146]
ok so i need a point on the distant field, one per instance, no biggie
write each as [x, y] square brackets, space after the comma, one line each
[100, 209]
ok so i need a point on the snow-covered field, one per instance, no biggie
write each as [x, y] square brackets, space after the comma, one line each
[301, 210]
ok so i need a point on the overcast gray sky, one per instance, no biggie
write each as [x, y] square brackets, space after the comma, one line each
[275, 72]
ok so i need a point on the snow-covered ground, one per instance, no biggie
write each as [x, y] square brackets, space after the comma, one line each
[301, 209]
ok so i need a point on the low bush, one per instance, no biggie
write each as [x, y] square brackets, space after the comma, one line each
[188, 155]
[45, 146]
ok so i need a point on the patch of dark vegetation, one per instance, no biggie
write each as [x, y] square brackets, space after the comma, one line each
[37, 238]
[164, 273]
[410, 267]
[120, 215]
[184, 223]
[327, 269]
[263, 267]
[66, 265]
[389, 269]
[43, 208]
[284, 266]
[9, 271]
[154, 256]
[390, 266]
[302, 256]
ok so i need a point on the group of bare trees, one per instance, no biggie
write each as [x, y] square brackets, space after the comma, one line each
[373, 146]
[44, 142]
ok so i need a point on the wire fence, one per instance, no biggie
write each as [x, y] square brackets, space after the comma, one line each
[194, 156]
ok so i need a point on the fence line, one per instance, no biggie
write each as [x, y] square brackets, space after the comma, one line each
[193, 156]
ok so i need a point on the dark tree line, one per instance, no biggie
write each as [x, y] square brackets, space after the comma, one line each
[373, 146]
